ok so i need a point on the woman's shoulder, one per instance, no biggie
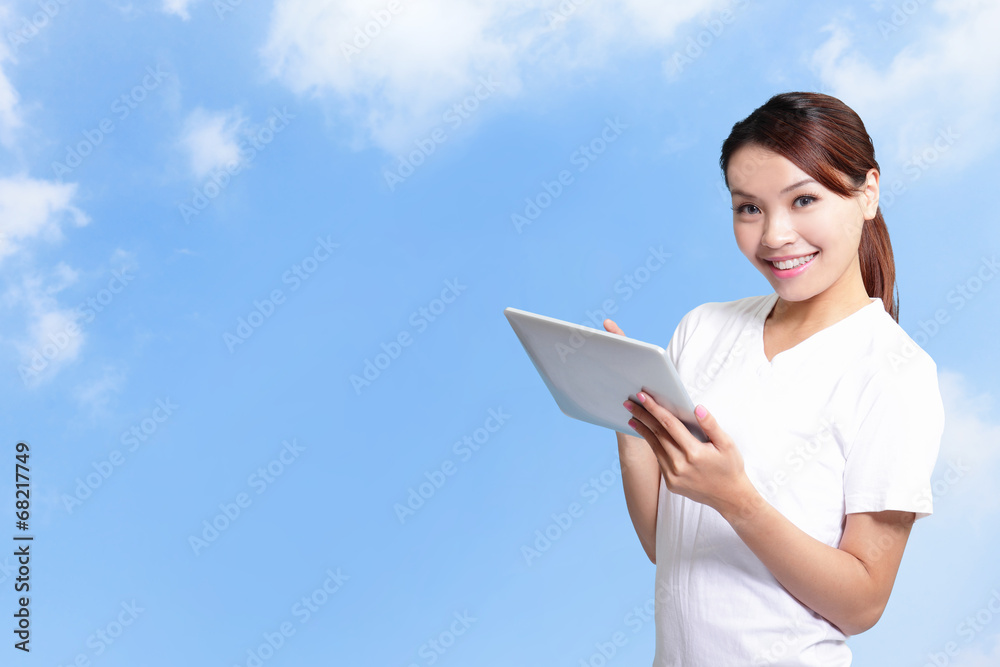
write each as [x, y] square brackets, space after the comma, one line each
[892, 357]
[742, 308]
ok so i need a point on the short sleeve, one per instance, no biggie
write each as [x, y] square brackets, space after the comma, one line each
[891, 459]
[682, 332]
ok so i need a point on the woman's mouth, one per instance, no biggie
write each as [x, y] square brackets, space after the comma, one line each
[791, 267]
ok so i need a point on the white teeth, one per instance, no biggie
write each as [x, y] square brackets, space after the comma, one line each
[792, 263]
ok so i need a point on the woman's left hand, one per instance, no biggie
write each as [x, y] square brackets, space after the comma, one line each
[707, 472]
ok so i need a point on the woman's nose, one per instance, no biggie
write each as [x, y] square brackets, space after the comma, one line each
[777, 230]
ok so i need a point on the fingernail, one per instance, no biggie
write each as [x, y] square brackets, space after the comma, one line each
[628, 405]
[700, 412]
[641, 397]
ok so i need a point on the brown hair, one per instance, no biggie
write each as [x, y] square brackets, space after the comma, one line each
[826, 139]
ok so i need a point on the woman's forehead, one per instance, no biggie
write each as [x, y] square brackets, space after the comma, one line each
[752, 164]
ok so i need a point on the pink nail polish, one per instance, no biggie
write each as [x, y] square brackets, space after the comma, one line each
[628, 405]
[641, 397]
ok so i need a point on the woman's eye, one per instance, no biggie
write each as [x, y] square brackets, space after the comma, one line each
[745, 208]
[809, 199]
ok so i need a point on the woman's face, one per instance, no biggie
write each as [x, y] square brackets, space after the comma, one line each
[780, 212]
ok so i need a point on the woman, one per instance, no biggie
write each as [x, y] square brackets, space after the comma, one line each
[782, 536]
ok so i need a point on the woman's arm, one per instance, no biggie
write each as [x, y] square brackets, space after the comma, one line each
[640, 479]
[641, 482]
[849, 585]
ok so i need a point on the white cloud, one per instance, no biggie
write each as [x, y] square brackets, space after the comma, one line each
[54, 336]
[211, 139]
[394, 74]
[979, 656]
[945, 75]
[178, 8]
[96, 395]
[122, 260]
[35, 209]
[970, 442]
[32, 208]
[63, 276]
[10, 118]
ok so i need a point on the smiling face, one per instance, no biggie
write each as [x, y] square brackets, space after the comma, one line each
[780, 212]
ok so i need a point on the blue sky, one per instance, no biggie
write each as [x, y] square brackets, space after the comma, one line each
[217, 215]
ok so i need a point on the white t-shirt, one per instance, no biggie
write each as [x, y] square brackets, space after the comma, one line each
[848, 420]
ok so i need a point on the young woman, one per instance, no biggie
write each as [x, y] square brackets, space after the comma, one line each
[782, 536]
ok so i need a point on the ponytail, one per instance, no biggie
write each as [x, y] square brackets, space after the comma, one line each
[878, 269]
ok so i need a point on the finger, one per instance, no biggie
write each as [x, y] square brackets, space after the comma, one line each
[666, 464]
[610, 325]
[671, 426]
[711, 427]
[648, 420]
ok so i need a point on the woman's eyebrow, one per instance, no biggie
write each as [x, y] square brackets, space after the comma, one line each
[788, 189]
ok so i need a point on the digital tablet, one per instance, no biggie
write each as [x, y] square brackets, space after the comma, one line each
[590, 372]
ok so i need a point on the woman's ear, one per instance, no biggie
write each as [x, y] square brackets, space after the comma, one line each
[871, 194]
